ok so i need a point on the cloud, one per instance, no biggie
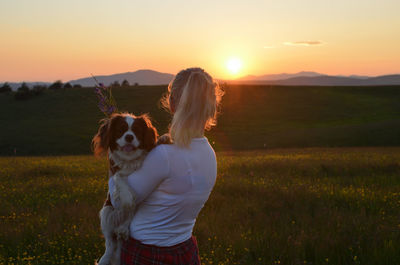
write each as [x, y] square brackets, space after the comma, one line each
[303, 43]
[268, 47]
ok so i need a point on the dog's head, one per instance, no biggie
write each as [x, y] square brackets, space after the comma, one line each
[125, 134]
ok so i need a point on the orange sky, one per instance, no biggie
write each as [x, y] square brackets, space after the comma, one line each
[47, 40]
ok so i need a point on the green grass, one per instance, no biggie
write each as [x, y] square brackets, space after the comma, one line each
[253, 117]
[283, 206]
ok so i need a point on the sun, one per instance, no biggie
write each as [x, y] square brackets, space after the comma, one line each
[234, 65]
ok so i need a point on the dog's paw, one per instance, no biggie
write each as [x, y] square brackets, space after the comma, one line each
[122, 232]
[127, 198]
[116, 178]
[164, 139]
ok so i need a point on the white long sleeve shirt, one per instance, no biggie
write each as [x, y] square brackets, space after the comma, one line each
[171, 188]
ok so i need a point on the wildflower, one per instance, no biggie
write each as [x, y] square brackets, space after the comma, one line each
[106, 104]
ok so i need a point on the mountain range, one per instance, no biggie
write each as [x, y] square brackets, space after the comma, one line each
[281, 76]
[142, 77]
[304, 78]
[316, 79]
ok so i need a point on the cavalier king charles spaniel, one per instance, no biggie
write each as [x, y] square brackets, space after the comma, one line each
[126, 139]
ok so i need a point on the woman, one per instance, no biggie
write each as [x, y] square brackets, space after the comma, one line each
[175, 180]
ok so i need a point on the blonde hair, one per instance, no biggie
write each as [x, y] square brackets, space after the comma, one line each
[193, 96]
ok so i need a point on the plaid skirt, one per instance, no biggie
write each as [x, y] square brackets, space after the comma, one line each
[135, 253]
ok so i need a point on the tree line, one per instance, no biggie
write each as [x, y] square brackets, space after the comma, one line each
[24, 92]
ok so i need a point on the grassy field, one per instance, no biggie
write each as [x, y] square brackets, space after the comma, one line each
[282, 206]
[253, 117]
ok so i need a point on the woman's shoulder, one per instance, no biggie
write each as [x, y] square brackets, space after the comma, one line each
[157, 158]
[164, 151]
[159, 150]
[167, 149]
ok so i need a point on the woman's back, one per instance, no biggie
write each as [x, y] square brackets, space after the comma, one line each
[167, 216]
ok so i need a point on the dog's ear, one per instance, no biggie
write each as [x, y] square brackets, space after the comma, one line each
[101, 141]
[150, 134]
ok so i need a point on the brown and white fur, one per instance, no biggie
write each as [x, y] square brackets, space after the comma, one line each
[126, 139]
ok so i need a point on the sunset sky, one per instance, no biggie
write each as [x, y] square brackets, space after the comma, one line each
[46, 40]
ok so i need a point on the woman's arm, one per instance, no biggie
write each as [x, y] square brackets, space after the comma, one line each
[143, 181]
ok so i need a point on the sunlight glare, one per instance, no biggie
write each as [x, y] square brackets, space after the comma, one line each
[234, 65]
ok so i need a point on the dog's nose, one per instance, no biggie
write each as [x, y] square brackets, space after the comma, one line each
[129, 138]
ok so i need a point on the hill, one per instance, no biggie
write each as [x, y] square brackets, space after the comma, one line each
[252, 117]
[313, 79]
[281, 76]
[142, 77]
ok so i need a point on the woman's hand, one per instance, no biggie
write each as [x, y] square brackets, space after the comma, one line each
[164, 139]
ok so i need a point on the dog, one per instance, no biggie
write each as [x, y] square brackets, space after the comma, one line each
[126, 139]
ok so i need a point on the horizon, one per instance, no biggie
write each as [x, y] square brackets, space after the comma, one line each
[44, 41]
[235, 79]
